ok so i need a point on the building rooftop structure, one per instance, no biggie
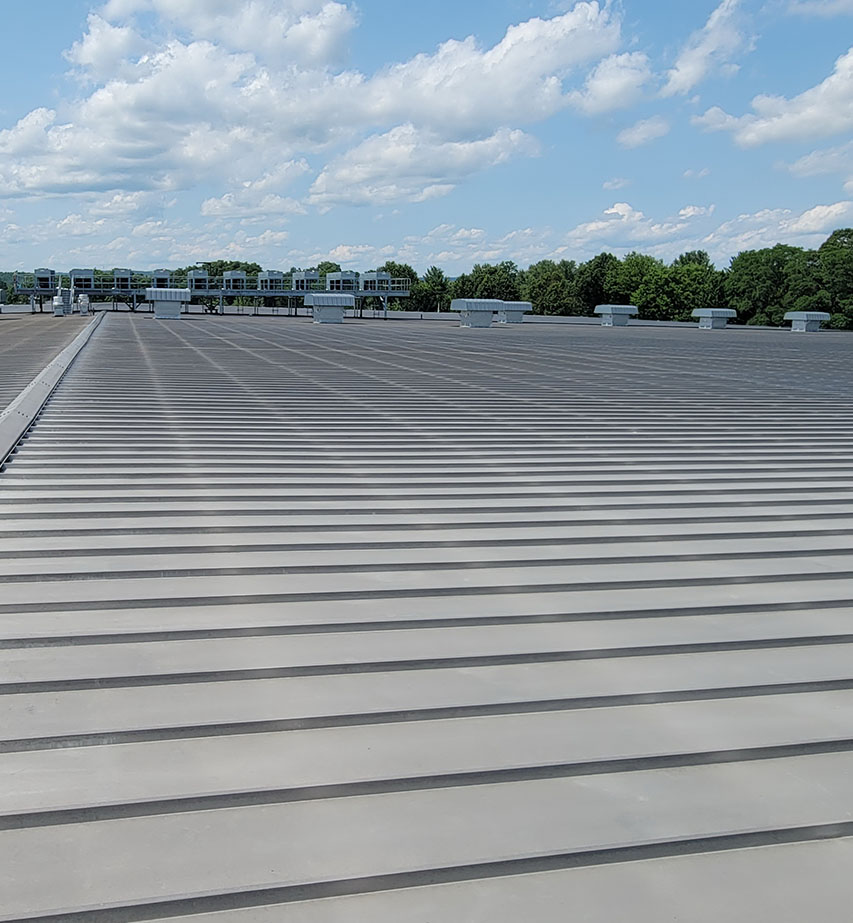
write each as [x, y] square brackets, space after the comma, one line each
[402, 621]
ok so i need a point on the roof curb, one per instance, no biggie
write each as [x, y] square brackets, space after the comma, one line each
[21, 413]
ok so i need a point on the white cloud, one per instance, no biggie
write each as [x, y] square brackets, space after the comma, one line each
[615, 83]
[407, 164]
[821, 7]
[622, 225]
[222, 101]
[618, 182]
[643, 132]
[820, 218]
[308, 31]
[696, 211]
[825, 109]
[709, 49]
[696, 174]
[107, 51]
[769, 226]
[827, 162]
[519, 80]
[265, 208]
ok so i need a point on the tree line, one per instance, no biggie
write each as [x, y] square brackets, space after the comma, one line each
[761, 285]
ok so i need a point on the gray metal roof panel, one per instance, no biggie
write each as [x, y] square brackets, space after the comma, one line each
[291, 615]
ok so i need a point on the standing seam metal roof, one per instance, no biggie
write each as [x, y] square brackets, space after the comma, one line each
[384, 621]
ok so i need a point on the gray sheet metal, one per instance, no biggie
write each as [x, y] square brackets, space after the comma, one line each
[20, 413]
[289, 631]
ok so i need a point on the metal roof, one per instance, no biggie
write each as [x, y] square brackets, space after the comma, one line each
[397, 621]
[28, 342]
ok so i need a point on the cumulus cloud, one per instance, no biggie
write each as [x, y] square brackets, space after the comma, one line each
[622, 224]
[821, 7]
[769, 226]
[309, 31]
[107, 51]
[615, 83]
[408, 164]
[618, 182]
[643, 132]
[820, 218]
[696, 211]
[222, 101]
[250, 208]
[833, 160]
[709, 49]
[825, 109]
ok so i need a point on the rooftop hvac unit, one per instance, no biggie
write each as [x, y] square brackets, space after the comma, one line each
[168, 302]
[328, 308]
[713, 318]
[513, 312]
[376, 282]
[197, 280]
[305, 280]
[161, 278]
[341, 281]
[82, 278]
[806, 321]
[476, 312]
[234, 281]
[271, 281]
[45, 279]
[122, 279]
[615, 315]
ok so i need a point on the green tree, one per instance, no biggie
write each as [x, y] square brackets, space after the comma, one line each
[593, 281]
[626, 277]
[549, 287]
[697, 257]
[835, 256]
[756, 284]
[399, 270]
[489, 281]
[656, 297]
[462, 287]
[431, 292]
[694, 283]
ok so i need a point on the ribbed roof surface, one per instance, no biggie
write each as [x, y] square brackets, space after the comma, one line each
[27, 343]
[386, 622]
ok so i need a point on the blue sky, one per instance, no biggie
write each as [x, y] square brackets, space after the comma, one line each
[152, 133]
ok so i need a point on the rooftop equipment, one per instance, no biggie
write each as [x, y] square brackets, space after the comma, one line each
[45, 280]
[122, 279]
[376, 282]
[271, 281]
[161, 278]
[342, 281]
[168, 302]
[305, 280]
[82, 278]
[476, 312]
[329, 308]
[713, 318]
[806, 321]
[62, 302]
[234, 281]
[198, 280]
[615, 315]
[513, 312]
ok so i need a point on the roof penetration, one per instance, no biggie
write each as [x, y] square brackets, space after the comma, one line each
[403, 621]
